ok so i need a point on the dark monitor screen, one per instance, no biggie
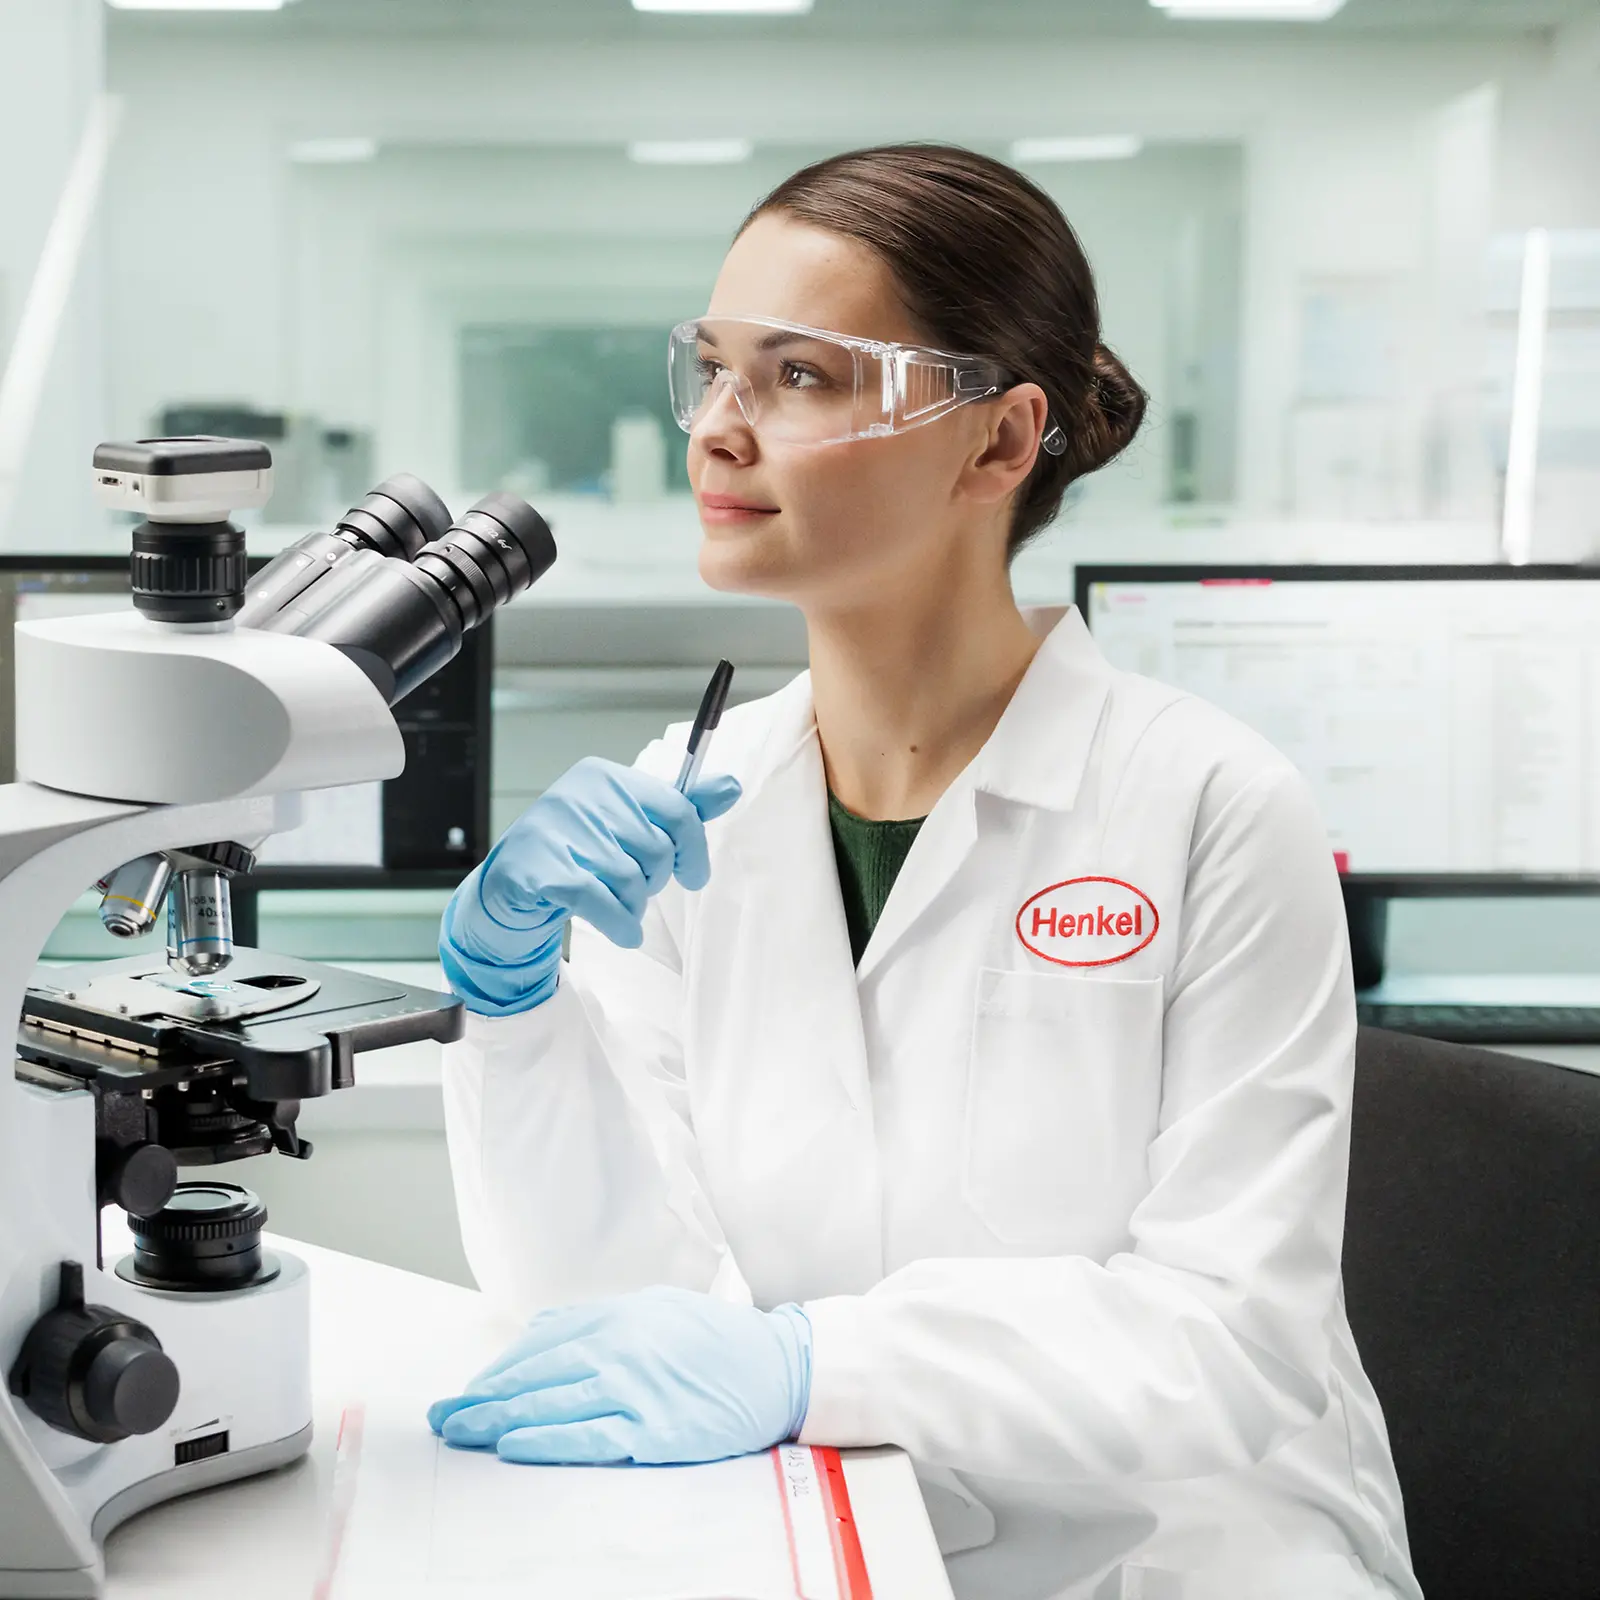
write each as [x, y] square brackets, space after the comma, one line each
[1447, 717]
[426, 828]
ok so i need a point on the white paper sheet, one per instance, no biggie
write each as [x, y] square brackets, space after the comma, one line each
[419, 1521]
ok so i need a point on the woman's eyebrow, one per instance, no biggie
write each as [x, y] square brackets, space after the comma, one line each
[768, 341]
[782, 336]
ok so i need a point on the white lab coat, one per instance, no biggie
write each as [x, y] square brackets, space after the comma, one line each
[1069, 1234]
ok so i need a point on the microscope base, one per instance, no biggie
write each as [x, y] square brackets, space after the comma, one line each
[87, 1583]
[168, 1485]
[244, 1408]
[84, 1584]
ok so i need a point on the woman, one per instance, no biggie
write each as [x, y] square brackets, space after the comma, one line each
[998, 1037]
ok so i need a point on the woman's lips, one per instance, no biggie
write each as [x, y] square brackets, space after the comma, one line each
[730, 508]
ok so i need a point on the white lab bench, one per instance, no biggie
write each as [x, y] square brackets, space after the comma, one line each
[380, 1332]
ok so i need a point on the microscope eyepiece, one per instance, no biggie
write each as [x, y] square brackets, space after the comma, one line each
[401, 623]
[499, 548]
[398, 518]
[395, 521]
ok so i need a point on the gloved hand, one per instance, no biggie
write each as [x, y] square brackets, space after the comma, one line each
[664, 1375]
[596, 844]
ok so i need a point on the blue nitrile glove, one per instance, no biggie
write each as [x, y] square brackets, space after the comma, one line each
[663, 1375]
[596, 844]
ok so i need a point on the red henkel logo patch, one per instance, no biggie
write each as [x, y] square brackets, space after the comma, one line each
[1088, 922]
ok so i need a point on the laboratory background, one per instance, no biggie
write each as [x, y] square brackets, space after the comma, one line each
[1352, 251]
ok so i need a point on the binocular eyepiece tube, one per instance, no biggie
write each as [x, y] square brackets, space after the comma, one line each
[395, 585]
[396, 520]
[401, 622]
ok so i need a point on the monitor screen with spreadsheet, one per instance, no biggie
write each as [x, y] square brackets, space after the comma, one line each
[428, 826]
[1448, 718]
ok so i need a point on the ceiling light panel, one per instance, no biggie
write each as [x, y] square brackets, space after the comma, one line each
[1249, 10]
[689, 152]
[330, 152]
[726, 8]
[196, 5]
[1077, 147]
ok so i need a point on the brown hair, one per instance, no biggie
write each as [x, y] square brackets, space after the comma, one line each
[987, 265]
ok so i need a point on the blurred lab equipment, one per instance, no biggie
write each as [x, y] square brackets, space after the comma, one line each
[638, 459]
[1441, 715]
[317, 466]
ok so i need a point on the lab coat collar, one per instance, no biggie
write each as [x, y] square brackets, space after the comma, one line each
[1039, 750]
[1036, 755]
[791, 724]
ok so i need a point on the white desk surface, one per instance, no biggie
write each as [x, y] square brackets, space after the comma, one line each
[379, 1331]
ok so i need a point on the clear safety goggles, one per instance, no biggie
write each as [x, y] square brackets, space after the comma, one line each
[801, 385]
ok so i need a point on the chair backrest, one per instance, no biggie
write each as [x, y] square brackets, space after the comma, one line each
[1472, 1281]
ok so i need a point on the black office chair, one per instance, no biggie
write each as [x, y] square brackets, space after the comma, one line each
[1472, 1279]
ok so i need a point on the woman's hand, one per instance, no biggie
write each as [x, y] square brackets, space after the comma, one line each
[597, 844]
[664, 1375]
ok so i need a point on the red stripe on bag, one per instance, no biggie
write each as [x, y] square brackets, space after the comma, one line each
[849, 1563]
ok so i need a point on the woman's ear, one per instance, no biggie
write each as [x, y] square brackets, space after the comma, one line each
[1009, 445]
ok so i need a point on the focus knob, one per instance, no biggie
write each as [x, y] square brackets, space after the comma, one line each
[130, 1384]
[92, 1371]
[140, 1178]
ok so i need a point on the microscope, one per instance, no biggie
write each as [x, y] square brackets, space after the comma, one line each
[156, 748]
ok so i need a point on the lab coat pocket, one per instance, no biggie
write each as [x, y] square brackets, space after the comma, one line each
[1063, 1090]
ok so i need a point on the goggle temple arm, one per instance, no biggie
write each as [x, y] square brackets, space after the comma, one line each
[973, 383]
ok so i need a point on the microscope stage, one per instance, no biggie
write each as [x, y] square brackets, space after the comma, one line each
[293, 1026]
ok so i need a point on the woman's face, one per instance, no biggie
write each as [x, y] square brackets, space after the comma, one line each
[835, 524]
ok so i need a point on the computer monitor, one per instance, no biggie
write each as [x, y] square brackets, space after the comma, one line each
[1447, 717]
[425, 829]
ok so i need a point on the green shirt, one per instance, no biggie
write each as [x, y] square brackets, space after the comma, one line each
[869, 856]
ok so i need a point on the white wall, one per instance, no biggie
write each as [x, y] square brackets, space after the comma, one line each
[1550, 156]
[1338, 178]
[51, 70]
[579, 234]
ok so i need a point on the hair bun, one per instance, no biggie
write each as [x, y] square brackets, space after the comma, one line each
[1121, 404]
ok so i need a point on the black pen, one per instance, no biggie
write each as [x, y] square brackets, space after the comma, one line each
[708, 716]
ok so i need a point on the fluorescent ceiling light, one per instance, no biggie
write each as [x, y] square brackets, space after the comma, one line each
[1090, 147]
[325, 152]
[1249, 10]
[689, 152]
[196, 5]
[765, 8]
